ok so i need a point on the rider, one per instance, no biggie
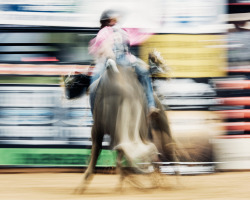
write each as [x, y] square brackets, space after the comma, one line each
[113, 42]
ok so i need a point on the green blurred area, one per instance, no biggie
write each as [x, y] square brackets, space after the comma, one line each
[30, 79]
[54, 157]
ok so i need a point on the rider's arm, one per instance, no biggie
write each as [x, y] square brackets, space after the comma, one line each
[137, 36]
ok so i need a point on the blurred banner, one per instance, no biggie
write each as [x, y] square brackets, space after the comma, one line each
[190, 55]
[194, 16]
[43, 46]
[232, 152]
[77, 13]
[186, 94]
[42, 13]
[166, 16]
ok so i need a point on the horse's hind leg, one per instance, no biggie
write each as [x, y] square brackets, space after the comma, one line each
[97, 138]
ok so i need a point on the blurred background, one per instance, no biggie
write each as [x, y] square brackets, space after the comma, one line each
[205, 44]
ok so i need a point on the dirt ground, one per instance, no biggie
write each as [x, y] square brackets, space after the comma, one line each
[53, 186]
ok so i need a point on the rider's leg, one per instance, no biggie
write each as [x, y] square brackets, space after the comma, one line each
[145, 80]
[142, 74]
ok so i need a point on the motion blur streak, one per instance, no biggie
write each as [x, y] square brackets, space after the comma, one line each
[205, 93]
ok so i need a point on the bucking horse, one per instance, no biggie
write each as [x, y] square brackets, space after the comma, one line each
[119, 109]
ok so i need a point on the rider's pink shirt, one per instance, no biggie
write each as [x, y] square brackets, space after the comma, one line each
[135, 37]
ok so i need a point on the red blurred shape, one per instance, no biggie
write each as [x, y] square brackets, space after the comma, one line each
[235, 113]
[237, 126]
[232, 136]
[235, 101]
[236, 84]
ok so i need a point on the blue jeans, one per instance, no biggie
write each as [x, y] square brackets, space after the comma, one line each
[141, 72]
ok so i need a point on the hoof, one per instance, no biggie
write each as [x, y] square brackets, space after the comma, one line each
[79, 190]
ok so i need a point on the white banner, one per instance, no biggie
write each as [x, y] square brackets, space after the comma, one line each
[193, 16]
[162, 16]
[79, 13]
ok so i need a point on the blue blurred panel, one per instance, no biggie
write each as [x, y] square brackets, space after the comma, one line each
[37, 8]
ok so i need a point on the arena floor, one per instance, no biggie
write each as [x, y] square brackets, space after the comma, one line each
[53, 186]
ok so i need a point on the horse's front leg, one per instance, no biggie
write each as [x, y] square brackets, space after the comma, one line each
[97, 138]
[119, 169]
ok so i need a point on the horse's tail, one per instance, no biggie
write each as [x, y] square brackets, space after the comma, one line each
[162, 136]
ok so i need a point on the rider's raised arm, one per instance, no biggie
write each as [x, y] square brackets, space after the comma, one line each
[137, 36]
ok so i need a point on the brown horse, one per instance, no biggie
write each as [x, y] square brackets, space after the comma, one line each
[120, 110]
